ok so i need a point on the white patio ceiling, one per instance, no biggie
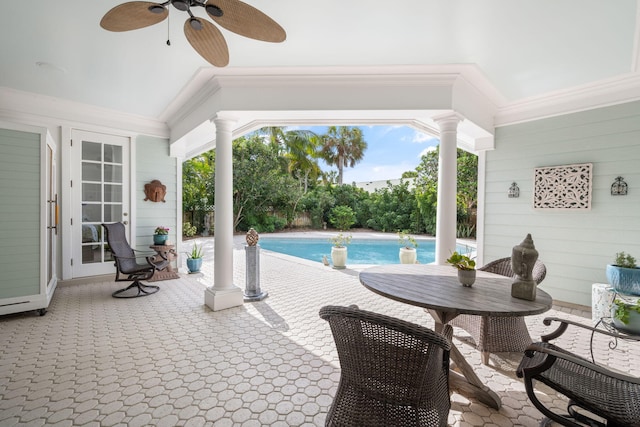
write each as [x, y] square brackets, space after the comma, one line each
[528, 55]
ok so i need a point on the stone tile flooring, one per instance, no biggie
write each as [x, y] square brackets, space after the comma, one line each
[167, 360]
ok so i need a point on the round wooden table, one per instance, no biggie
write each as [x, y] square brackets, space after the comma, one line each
[436, 288]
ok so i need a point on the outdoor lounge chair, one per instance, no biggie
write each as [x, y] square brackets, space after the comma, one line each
[499, 334]
[127, 264]
[594, 388]
[394, 373]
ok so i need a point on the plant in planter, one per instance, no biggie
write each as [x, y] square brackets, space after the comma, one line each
[624, 275]
[339, 250]
[194, 259]
[625, 313]
[408, 250]
[466, 268]
[160, 235]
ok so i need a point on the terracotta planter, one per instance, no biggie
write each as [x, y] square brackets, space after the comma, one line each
[467, 277]
[339, 257]
[408, 255]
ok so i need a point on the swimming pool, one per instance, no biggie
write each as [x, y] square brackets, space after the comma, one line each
[361, 251]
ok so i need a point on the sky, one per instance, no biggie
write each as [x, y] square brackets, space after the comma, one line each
[391, 151]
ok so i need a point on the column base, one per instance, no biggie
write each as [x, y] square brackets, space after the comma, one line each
[257, 297]
[218, 300]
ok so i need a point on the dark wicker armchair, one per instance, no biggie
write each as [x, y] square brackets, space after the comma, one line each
[594, 388]
[499, 334]
[394, 373]
[127, 264]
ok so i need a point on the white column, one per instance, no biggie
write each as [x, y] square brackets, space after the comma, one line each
[447, 187]
[223, 294]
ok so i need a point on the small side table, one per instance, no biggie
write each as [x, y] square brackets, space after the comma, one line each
[164, 252]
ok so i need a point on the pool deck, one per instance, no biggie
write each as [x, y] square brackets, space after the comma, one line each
[168, 360]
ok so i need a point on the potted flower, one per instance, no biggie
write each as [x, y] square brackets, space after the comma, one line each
[625, 313]
[408, 245]
[194, 259]
[160, 235]
[466, 268]
[339, 250]
[624, 275]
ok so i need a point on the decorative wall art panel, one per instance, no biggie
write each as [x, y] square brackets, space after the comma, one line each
[562, 187]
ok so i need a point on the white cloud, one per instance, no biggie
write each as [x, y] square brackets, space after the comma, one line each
[377, 172]
[420, 137]
[427, 150]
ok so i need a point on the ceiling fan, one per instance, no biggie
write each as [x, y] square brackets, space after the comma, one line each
[203, 36]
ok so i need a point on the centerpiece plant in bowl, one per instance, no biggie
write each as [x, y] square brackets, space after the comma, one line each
[466, 268]
[339, 250]
[160, 235]
[408, 248]
[624, 275]
[194, 258]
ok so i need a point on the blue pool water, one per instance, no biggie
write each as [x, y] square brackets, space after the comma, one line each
[360, 251]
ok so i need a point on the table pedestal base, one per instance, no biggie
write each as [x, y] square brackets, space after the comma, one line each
[468, 382]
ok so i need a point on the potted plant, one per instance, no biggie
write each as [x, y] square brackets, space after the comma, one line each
[624, 275]
[160, 235]
[408, 245]
[339, 250]
[194, 259]
[466, 268]
[625, 313]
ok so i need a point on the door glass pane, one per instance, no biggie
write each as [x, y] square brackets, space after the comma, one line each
[91, 213]
[91, 254]
[91, 192]
[108, 256]
[112, 193]
[90, 233]
[91, 151]
[91, 172]
[112, 173]
[112, 153]
[112, 213]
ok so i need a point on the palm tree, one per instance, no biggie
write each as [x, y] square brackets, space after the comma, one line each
[343, 146]
[299, 148]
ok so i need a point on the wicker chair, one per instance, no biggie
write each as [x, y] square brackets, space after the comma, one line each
[394, 373]
[499, 334]
[127, 264]
[593, 388]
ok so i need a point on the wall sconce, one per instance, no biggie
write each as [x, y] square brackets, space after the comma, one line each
[619, 187]
[514, 191]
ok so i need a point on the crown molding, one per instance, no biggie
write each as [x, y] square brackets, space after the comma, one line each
[41, 108]
[603, 93]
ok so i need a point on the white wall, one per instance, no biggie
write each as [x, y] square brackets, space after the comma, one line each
[575, 246]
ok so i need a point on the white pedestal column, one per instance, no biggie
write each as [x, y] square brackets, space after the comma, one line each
[223, 294]
[447, 187]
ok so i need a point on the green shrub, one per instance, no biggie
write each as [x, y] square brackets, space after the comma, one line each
[342, 217]
[189, 230]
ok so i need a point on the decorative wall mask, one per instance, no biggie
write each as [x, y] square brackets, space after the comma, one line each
[563, 187]
[155, 191]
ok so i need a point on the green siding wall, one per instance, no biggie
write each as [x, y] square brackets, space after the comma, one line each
[20, 206]
[153, 162]
[575, 246]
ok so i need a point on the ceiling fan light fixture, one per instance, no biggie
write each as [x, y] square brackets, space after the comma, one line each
[213, 10]
[180, 4]
[195, 24]
[156, 8]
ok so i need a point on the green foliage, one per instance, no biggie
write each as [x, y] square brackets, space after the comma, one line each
[623, 309]
[625, 260]
[263, 223]
[461, 262]
[407, 240]
[340, 240]
[196, 252]
[342, 217]
[394, 208]
[189, 230]
[318, 202]
[465, 231]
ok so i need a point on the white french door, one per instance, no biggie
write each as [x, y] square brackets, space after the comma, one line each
[100, 188]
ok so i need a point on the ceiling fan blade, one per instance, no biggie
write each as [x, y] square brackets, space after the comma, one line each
[208, 41]
[132, 16]
[246, 20]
